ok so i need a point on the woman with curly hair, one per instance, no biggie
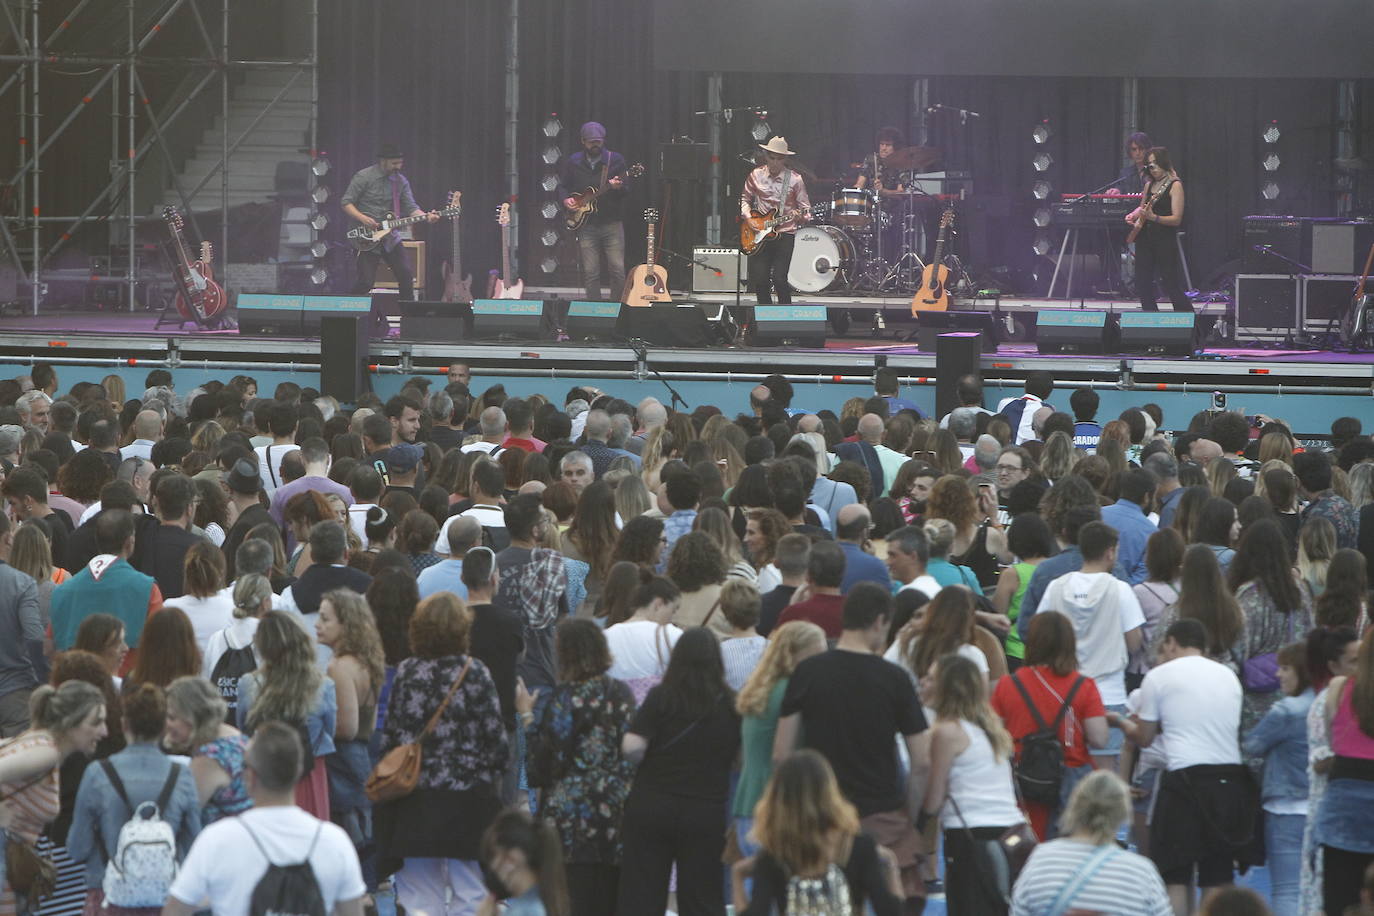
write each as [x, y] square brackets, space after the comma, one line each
[212, 509]
[763, 528]
[288, 687]
[697, 568]
[641, 542]
[978, 539]
[83, 476]
[303, 512]
[759, 704]
[358, 670]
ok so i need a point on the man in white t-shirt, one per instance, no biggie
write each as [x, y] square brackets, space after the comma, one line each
[281, 422]
[908, 552]
[1107, 621]
[1203, 817]
[231, 856]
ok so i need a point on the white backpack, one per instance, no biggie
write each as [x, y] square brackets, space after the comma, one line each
[145, 859]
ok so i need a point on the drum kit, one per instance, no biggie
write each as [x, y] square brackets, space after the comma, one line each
[869, 238]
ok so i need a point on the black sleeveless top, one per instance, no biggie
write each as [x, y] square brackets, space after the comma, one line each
[1164, 206]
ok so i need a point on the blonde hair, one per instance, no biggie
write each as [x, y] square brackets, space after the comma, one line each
[360, 637]
[1316, 547]
[553, 537]
[658, 446]
[32, 553]
[803, 819]
[632, 498]
[1361, 478]
[198, 701]
[289, 677]
[940, 534]
[786, 646]
[961, 694]
[1099, 805]
[250, 591]
[61, 709]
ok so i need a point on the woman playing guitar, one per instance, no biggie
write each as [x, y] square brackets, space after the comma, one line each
[1155, 232]
[774, 199]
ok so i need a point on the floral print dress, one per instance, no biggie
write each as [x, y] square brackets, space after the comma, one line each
[574, 755]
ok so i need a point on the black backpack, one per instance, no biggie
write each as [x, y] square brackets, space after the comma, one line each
[287, 890]
[229, 667]
[1040, 770]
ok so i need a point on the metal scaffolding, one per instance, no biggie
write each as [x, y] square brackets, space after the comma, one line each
[131, 138]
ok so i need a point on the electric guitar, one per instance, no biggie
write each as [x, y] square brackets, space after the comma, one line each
[502, 286]
[758, 228]
[455, 289]
[1146, 207]
[1355, 322]
[364, 239]
[647, 283]
[585, 200]
[933, 296]
[207, 299]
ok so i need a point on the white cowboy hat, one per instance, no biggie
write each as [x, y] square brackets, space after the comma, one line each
[778, 146]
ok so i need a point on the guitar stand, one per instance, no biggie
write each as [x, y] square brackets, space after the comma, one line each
[169, 303]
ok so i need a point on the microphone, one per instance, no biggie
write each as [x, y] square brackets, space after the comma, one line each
[1263, 248]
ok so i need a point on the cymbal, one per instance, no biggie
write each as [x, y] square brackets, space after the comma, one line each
[914, 158]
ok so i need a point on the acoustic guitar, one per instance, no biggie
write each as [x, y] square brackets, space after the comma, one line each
[647, 283]
[933, 296]
[586, 200]
[201, 299]
[456, 289]
[502, 286]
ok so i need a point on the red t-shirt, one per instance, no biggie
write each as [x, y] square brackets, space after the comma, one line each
[1011, 706]
[825, 611]
[527, 445]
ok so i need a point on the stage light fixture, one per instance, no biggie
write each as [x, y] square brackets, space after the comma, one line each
[1042, 190]
[549, 210]
[760, 131]
[548, 238]
[320, 166]
[320, 194]
[1042, 162]
[319, 276]
[550, 183]
[552, 126]
[1042, 245]
[1041, 133]
[1270, 162]
[318, 249]
[1271, 133]
[548, 265]
[1269, 190]
[551, 154]
[319, 222]
[1042, 217]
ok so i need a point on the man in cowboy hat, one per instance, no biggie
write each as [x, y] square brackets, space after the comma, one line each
[604, 231]
[373, 193]
[775, 186]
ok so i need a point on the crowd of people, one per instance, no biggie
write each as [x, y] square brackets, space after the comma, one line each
[571, 655]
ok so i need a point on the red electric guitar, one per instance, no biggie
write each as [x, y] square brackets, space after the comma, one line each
[206, 297]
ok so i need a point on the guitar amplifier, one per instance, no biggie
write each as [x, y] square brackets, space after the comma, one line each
[1266, 307]
[1325, 299]
[716, 270]
[1286, 235]
[1339, 246]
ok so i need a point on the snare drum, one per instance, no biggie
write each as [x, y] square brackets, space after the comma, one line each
[821, 259]
[851, 207]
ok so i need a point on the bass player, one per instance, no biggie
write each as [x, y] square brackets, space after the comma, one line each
[594, 166]
[373, 193]
[774, 186]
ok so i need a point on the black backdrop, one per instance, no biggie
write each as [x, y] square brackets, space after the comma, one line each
[431, 77]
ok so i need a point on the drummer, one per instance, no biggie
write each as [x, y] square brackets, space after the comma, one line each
[888, 139]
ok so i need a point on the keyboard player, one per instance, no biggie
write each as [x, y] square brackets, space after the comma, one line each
[1133, 173]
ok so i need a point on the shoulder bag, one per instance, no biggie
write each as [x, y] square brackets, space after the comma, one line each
[398, 773]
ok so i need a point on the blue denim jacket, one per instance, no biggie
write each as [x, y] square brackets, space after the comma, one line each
[1281, 739]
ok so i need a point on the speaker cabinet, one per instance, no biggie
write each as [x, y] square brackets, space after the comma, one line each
[343, 356]
[932, 325]
[1266, 306]
[511, 319]
[592, 320]
[1071, 331]
[435, 322]
[957, 354]
[269, 314]
[789, 325]
[415, 257]
[665, 325]
[1157, 332]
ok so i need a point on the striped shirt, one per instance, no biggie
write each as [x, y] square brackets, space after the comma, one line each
[1125, 885]
[741, 656]
[34, 803]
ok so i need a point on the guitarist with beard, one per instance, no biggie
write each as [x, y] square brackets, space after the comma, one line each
[373, 193]
[603, 232]
[774, 186]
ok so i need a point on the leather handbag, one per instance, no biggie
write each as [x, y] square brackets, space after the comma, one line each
[398, 773]
[26, 872]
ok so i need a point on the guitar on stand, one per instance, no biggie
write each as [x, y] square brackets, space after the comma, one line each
[933, 295]
[455, 289]
[586, 200]
[199, 298]
[502, 286]
[648, 283]
[1355, 325]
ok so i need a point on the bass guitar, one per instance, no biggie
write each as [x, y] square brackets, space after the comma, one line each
[648, 283]
[933, 296]
[502, 286]
[1147, 205]
[201, 299]
[585, 200]
[364, 239]
[758, 228]
[456, 289]
[1355, 323]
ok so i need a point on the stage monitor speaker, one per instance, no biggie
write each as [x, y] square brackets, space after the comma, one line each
[435, 322]
[683, 161]
[1325, 300]
[666, 325]
[592, 320]
[1266, 306]
[1285, 235]
[1157, 332]
[314, 309]
[715, 270]
[934, 324]
[789, 325]
[1071, 331]
[513, 319]
[266, 313]
[957, 354]
[1339, 246]
[343, 355]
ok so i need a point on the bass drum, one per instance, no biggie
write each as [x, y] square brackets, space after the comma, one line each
[822, 259]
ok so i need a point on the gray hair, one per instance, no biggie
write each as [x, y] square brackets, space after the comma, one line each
[327, 542]
[463, 534]
[621, 430]
[492, 422]
[1163, 465]
[23, 402]
[441, 407]
[652, 414]
[912, 541]
[10, 437]
[985, 452]
[1099, 805]
[328, 406]
[962, 422]
[250, 591]
[575, 457]
[254, 556]
[598, 425]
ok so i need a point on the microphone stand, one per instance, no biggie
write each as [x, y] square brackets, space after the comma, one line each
[643, 368]
[1297, 337]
